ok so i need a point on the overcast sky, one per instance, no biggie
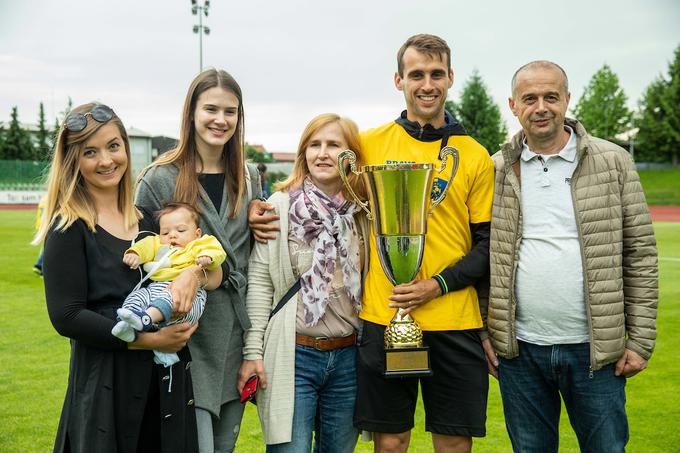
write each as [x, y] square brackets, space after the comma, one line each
[295, 59]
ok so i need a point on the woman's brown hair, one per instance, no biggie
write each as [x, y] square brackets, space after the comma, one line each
[67, 196]
[350, 133]
[185, 155]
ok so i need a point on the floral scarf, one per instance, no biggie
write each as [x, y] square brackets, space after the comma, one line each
[327, 224]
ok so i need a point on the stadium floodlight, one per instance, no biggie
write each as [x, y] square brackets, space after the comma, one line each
[200, 29]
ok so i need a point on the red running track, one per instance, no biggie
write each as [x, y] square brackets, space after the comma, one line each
[665, 213]
[17, 207]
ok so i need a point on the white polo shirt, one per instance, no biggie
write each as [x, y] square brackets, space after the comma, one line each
[549, 280]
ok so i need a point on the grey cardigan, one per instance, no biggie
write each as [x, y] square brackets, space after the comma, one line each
[216, 346]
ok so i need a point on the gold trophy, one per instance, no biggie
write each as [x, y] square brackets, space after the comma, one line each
[400, 199]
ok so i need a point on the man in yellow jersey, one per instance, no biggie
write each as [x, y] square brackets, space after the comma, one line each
[442, 299]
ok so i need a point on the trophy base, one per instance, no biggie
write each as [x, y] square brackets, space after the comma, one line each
[407, 362]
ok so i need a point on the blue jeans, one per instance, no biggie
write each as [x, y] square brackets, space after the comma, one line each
[325, 390]
[532, 383]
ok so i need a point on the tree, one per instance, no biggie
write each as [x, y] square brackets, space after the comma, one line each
[55, 131]
[253, 155]
[602, 108]
[670, 105]
[274, 177]
[18, 143]
[42, 148]
[63, 114]
[2, 141]
[479, 114]
[658, 120]
[651, 143]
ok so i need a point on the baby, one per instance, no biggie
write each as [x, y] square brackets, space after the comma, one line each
[179, 245]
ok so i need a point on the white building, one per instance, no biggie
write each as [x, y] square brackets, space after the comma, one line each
[141, 151]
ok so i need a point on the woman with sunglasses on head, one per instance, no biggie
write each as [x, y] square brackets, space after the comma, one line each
[117, 399]
[304, 352]
[207, 169]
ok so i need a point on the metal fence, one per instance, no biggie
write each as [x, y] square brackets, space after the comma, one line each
[23, 174]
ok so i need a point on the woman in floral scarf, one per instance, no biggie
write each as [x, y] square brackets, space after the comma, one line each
[304, 355]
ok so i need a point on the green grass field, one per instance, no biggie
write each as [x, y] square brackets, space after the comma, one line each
[35, 363]
[661, 186]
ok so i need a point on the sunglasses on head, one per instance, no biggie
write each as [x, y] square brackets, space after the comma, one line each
[76, 122]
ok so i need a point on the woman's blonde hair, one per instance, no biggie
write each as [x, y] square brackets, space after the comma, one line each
[185, 154]
[350, 133]
[67, 196]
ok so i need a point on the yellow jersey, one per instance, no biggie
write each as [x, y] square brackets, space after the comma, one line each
[448, 237]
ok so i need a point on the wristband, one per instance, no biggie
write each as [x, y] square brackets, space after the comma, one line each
[442, 284]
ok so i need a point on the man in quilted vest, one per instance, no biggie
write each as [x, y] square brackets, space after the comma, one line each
[574, 280]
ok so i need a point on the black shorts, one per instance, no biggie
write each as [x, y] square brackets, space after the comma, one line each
[454, 397]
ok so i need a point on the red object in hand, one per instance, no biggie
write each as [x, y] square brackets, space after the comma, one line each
[250, 389]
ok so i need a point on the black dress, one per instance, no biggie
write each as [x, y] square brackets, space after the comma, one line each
[117, 400]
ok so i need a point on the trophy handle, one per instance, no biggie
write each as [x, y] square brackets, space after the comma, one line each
[351, 156]
[444, 154]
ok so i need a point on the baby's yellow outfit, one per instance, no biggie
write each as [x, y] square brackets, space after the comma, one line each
[150, 250]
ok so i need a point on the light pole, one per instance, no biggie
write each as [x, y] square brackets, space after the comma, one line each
[201, 29]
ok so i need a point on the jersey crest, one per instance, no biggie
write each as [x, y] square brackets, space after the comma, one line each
[438, 185]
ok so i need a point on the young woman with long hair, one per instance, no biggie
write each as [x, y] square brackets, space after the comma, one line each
[207, 169]
[115, 391]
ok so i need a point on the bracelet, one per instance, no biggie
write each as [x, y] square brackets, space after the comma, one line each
[198, 280]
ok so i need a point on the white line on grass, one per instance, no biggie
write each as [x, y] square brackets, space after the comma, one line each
[669, 259]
